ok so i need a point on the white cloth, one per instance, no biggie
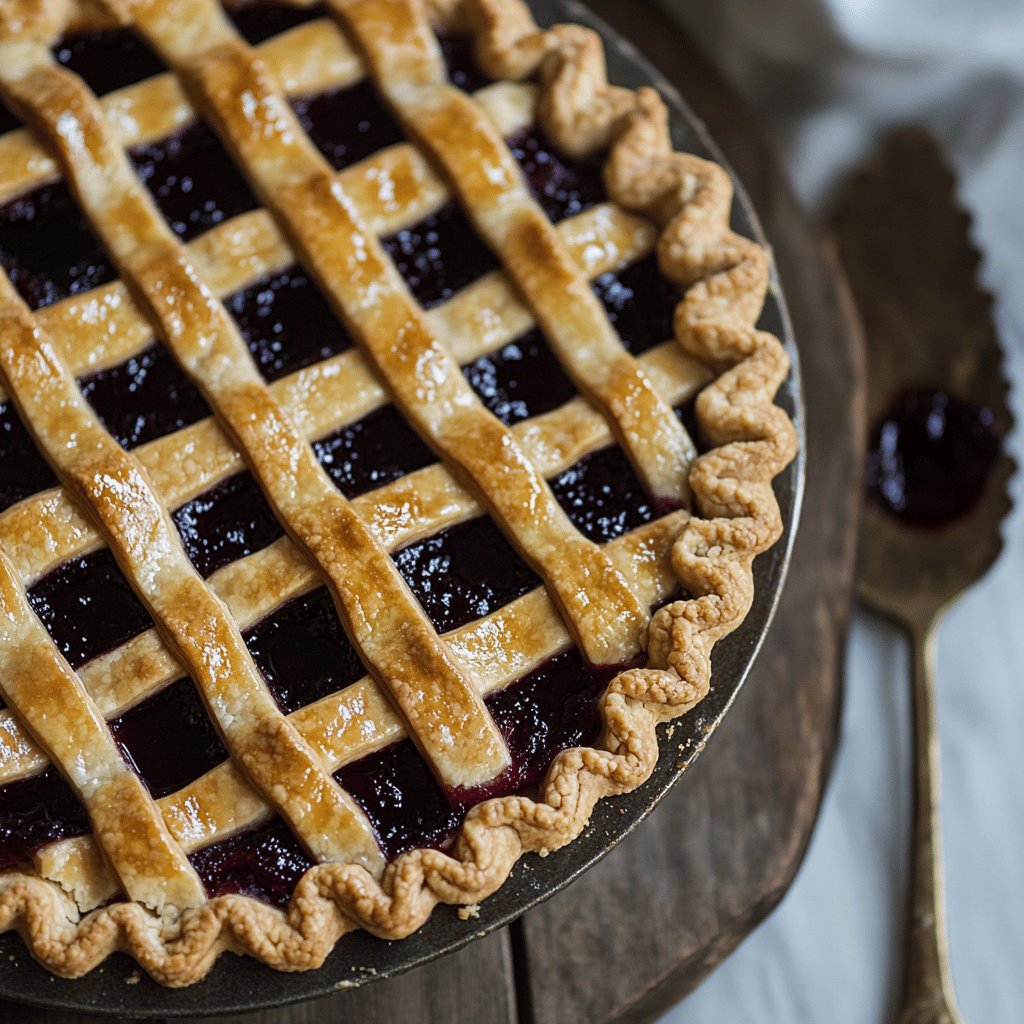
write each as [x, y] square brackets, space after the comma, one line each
[827, 77]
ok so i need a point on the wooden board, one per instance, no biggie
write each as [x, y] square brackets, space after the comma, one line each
[723, 847]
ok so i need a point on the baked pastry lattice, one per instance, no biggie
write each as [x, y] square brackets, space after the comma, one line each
[388, 343]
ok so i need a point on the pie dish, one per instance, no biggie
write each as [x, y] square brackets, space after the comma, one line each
[506, 446]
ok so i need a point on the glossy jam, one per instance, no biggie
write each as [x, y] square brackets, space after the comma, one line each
[929, 457]
[463, 70]
[107, 59]
[88, 607]
[258, 20]
[36, 811]
[226, 523]
[144, 397]
[287, 323]
[640, 303]
[23, 470]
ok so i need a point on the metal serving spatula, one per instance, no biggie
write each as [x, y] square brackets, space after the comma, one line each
[937, 469]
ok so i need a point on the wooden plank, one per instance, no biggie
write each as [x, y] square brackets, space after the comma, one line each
[642, 928]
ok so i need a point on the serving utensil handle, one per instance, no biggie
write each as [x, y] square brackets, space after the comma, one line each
[928, 993]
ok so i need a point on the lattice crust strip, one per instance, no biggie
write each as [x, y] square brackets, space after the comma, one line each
[725, 278]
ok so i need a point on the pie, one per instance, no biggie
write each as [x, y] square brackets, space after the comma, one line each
[360, 366]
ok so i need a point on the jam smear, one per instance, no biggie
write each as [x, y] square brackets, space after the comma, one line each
[464, 573]
[372, 452]
[225, 523]
[463, 70]
[259, 20]
[287, 323]
[522, 379]
[563, 187]
[168, 739]
[35, 811]
[602, 495]
[23, 470]
[440, 255]
[303, 652]
[44, 272]
[194, 182]
[107, 58]
[144, 397]
[641, 304]
[348, 125]
[88, 607]
[929, 457]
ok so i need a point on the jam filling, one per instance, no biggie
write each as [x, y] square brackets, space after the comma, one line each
[144, 397]
[259, 20]
[34, 812]
[929, 457]
[168, 739]
[226, 523]
[23, 470]
[641, 304]
[372, 452]
[463, 70]
[8, 122]
[107, 58]
[88, 607]
[287, 323]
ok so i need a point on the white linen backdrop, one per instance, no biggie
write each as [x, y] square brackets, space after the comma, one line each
[827, 78]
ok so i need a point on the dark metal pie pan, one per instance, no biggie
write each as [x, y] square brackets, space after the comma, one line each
[240, 985]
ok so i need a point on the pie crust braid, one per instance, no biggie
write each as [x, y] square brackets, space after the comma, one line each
[726, 278]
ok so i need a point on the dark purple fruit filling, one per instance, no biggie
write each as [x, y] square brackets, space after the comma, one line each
[520, 380]
[88, 607]
[372, 452]
[259, 20]
[348, 125]
[464, 573]
[35, 811]
[440, 255]
[169, 739]
[303, 652]
[563, 187]
[264, 863]
[929, 457]
[8, 122]
[641, 304]
[463, 70]
[602, 495]
[144, 397]
[48, 248]
[287, 323]
[23, 470]
[107, 58]
[195, 183]
[686, 413]
[226, 523]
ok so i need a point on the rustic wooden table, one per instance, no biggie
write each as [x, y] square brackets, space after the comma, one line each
[642, 928]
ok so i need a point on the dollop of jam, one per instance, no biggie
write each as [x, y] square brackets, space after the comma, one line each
[929, 456]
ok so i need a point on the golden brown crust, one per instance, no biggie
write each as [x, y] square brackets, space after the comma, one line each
[725, 278]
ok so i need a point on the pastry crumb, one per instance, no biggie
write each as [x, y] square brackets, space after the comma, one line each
[471, 910]
[134, 978]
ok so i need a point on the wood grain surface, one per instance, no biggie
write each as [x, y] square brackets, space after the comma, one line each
[642, 928]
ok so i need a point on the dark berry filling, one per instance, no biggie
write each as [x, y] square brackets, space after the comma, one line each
[287, 323]
[169, 739]
[48, 248]
[88, 607]
[8, 122]
[107, 58]
[463, 70]
[372, 452]
[259, 20]
[440, 255]
[144, 397]
[564, 187]
[348, 125]
[23, 470]
[303, 652]
[602, 496]
[35, 811]
[464, 573]
[929, 457]
[195, 183]
[226, 523]
[520, 380]
[641, 304]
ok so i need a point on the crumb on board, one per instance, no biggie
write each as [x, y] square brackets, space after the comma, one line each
[469, 911]
[134, 978]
